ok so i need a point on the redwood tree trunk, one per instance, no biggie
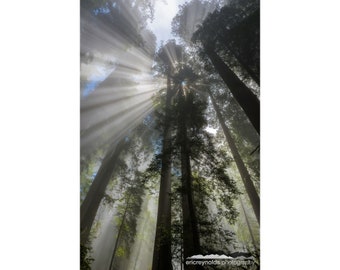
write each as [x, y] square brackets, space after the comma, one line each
[96, 192]
[242, 94]
[191, 242]
[248, 183]
[243, 65]
[248, 225]
[162, 247]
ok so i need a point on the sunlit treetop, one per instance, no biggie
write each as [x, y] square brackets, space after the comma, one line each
[190, 15]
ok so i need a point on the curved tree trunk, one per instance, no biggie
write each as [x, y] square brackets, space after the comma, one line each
[242, 94]
[96, 192]
[248, 183]
[162, 247]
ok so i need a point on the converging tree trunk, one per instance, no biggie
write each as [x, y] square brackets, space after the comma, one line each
[191, 242]
[96, 192]
[243, 65]
[162, 247]
[242, 94]
[248, 183]
[248, 225]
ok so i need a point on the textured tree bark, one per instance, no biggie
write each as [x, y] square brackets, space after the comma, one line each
[191, 240]
[243, 95]
[96, 192]
[248, 183]
[162, 247]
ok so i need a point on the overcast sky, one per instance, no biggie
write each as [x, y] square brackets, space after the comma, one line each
[164, 12]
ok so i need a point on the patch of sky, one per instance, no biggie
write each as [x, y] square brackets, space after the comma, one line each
[90, 87]
[211, 130]
[157, 145]
[175, 171]
[96, 79]
[147, 120]
[101, 10]
[104, 10]
[164, 13]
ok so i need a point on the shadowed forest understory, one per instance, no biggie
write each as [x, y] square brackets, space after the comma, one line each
[169, 134]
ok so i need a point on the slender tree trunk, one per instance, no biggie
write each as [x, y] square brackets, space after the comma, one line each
[119, 232]
[162, 247]
[248, 225]
[242, 94]
[191, 242]
[248, 183]
[182, 259]
[96, 192]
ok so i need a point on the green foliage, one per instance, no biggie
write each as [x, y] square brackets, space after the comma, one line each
[85, 183]
[190, 15]
[233, 32]
[244, 135]
[131, 192]
[155, 164]
[213, 191]
[121, 252]
[88, 165]
[94, 230]
[85, 258]
[108, 200]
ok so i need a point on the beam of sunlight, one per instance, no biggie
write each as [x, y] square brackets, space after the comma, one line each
[194, 13]
[116, 104]
[170, 51]
[116, 125]
[116, 73]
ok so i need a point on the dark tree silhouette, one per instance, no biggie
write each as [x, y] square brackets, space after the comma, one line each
[162, 246]
[210, 43]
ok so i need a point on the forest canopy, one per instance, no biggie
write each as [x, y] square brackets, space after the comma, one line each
[169, 136]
